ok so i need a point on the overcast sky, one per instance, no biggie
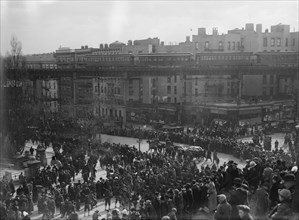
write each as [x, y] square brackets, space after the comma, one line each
[43, 26]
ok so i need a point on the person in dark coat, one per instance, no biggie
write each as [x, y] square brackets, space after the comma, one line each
[262, 202]
[238, 196]
[274, 191]
[224, 209]
[283, 210]
[150, 211]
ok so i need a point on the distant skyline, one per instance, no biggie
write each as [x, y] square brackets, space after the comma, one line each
[45, 25]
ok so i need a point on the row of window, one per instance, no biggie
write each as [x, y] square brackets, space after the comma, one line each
[231, 45]
[265, 79]
[51, 104]
[110, 112]
[277, 42]
[50, 85]
[224, 57]
[52, 95]
[108, 59]
[43, 66]
[169, 79]
[163, 59]
[113, 90]
[169, 90]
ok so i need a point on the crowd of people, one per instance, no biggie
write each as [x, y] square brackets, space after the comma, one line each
[157, 184]
[212, 138]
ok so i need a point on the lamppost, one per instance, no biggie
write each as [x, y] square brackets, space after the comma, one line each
[141, 119]
[297, 144]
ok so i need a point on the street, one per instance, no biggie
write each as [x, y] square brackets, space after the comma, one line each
[102, 173]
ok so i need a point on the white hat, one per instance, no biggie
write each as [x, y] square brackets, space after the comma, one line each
[294, 169]
[124, 212]
[25, 213]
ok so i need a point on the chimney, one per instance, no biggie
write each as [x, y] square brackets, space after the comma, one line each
[150, 48]
[249, 27]
[258, 28]
[187, 39]
[130, 43]
[106, 46]
[86, 47]
[215, 31]
[162, 43]
[101, 46]
[201, 31]
[82, 47]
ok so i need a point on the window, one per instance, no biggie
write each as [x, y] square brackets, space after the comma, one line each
[271, 79]
[228, 47]
[271, 90]
[207, 45]
[169, 79]
[287, 42]
[175, 78]
[175, 90]
[220, 45]
[264, 79]
[196, 92]
[265, 42]
[175, 100]
[278, 42]
[196, 46]
[168, 89]
[131, 91]
[272, 42]
[264, 91]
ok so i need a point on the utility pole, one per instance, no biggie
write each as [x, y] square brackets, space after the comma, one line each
[139, 138]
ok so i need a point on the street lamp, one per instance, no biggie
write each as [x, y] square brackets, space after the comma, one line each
[297, 144]
[139, 138]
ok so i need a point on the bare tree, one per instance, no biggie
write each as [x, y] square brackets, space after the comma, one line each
[14, 58]
[16, 105]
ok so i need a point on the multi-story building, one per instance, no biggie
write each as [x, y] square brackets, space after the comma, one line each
[196, 77]
[110, 102]
[41, 61]
[47, 95]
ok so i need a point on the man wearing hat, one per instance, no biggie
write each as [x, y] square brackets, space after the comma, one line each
[95, 215]
[289, 182]
[238, 196]
[243, 211]
[224, 209]
[283, 210]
